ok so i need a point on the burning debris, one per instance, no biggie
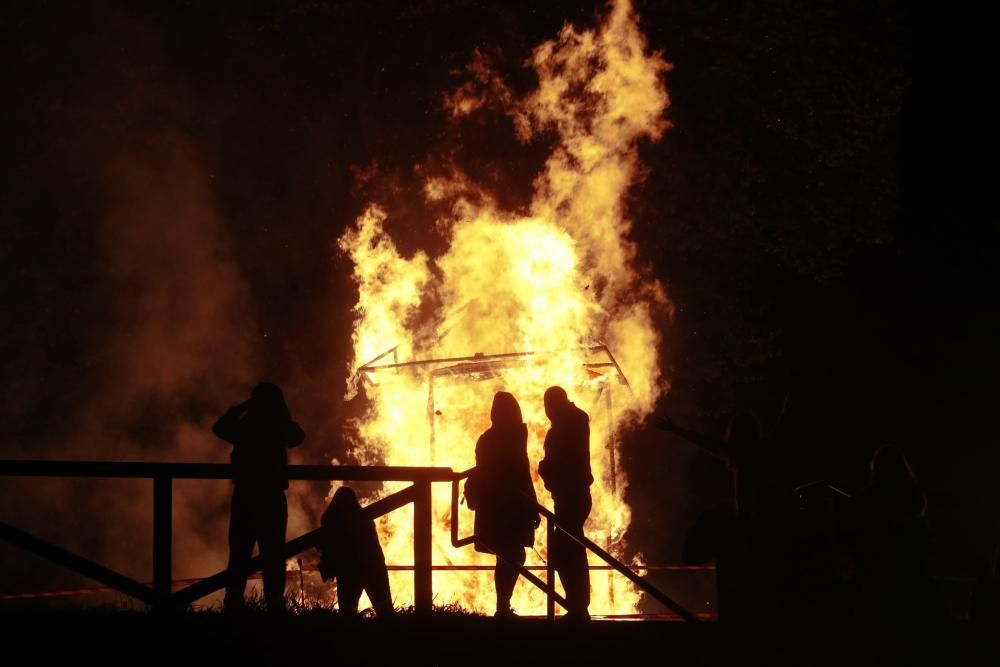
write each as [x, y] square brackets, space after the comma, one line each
[547, 294]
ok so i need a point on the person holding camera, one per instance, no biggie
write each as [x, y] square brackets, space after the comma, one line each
[260, 431]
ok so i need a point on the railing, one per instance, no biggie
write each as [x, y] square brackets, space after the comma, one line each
[161, 596]
[548, 586]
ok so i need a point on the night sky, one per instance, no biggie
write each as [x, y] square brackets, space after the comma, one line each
[175, 176]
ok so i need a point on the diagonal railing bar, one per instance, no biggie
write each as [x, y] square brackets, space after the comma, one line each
[77, 564]
[547, 587]
[642, 583]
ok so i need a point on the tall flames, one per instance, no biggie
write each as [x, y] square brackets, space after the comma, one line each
[558, 282]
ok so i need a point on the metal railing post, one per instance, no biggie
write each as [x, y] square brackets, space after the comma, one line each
[423, 593]
[162, 541]
[457, 541]
[550, 572]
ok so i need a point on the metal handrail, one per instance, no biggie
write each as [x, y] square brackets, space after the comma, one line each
[457, 541]
[152, 470]
[163, 475]
[549, 586]
[623, 569]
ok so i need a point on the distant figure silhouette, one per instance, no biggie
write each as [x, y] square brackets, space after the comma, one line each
[352, 554]
[772, 550]
[566, 473]
[823, 564]
[749, 538]
[744, 450]
[985, 605]
[716, 535]
[260, 430]
[891, 542]
[502, 495]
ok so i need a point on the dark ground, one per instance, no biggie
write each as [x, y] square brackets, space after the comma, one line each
[322, 637]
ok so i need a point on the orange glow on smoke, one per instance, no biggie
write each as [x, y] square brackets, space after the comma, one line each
[557, 282]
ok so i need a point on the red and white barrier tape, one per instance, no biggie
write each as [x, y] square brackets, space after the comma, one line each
[394, 568]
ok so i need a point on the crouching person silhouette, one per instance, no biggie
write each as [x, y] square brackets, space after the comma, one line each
[260, 430]
[352, 554]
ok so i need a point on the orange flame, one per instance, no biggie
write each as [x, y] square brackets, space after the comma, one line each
[559, 283]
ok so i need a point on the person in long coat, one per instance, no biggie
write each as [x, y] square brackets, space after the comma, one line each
[503, 496]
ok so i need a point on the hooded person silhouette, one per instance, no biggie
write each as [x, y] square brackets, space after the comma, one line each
[352, 554]
[260, 431]
[503, 496]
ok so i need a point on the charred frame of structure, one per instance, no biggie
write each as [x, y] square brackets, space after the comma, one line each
[481, 367]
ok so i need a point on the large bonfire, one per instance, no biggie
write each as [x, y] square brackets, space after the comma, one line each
[556, 284]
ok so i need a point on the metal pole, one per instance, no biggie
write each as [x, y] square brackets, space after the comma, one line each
[550, 572]
[612, 466]
[430, 413]
[422, 574]
[162, 547]
[302, 587]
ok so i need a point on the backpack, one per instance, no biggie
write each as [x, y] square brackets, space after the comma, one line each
[474, 490]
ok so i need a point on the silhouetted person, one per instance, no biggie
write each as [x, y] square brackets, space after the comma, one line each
[823, 563]
[891, 542]
[753, 537]
[772, 548]
[260, 430]
[985, 605]
[352, 554]
[716, 535]
[566, 473]
[743, 449]
[501, 492]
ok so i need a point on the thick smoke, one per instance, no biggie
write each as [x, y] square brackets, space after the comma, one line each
[173, 349]
[166, 342]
